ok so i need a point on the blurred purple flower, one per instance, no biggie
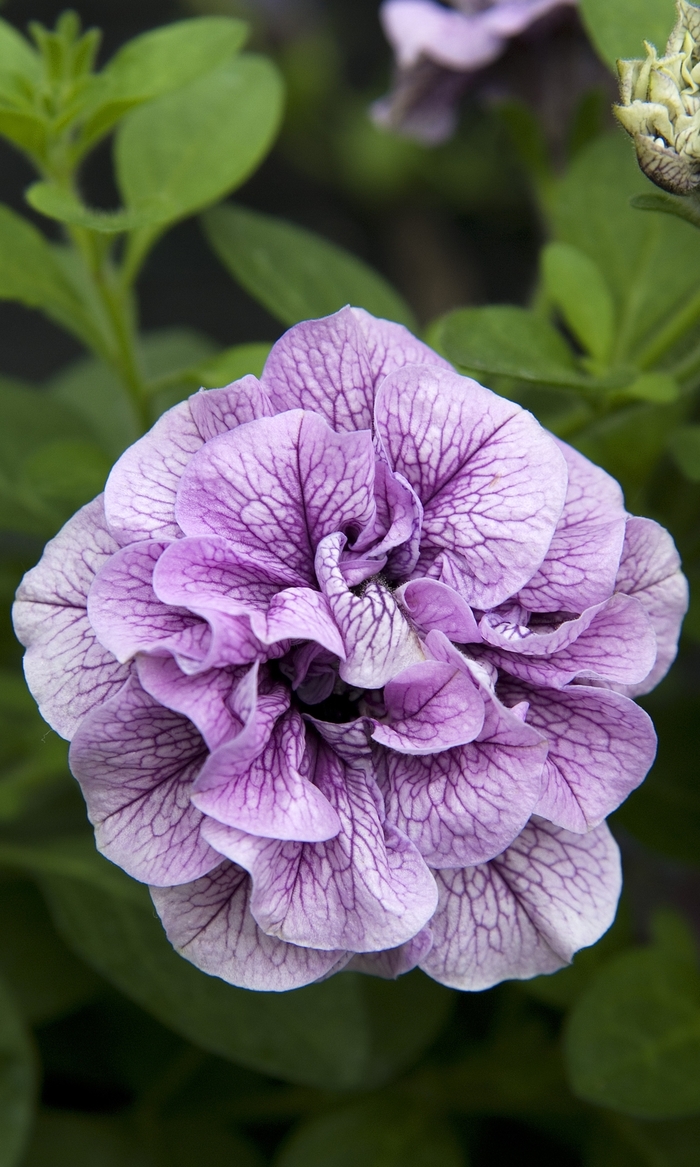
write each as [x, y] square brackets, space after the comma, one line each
[438, 48]
[346, 656]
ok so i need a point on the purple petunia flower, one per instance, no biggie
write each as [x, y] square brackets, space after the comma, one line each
[438, 48]
[346, 656]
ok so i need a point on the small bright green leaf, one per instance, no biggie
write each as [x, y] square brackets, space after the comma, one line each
[373, 1134]
[618, 28]
[294, 273]
[684, 444]
[578, 289]
[19, 62]
[45, 977]
[17, 1082]
[25, 130]
[155, 63]
[60, 204]
[30, 273]
[188, 149]
[234, 363]
[510, 342]
[657, 388]
[633, 1038]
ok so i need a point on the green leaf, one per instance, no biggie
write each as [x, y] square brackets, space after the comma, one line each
[511, 342]
[62, 1139]
[296, 274]
[232, 364]
[629, 443]
[633, 1038]
[683, 207]
[60, 204]
[158, 62]
[618, 28]
[25, 130]
[405, 1017]
[62, 476]
[684, 444]
[30, 273]
[577, 287]
[373, 1134]
[17, 1082]
[20, 65]
[630, 1143]
[656, 388]
[33, 759]
[651, 262]
[664, 813]
[189, 148]
[46, 979]
[317, 1035]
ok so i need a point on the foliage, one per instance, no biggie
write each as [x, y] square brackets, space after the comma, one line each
[147, 1061]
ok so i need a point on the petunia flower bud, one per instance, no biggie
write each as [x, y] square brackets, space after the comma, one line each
[660, 106]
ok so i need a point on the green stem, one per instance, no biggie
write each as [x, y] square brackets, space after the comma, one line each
[672, 333]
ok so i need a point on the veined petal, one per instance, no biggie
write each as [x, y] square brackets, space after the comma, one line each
[467, 804]
[210, 924]
[269, 794]
[580, 566]
[492, 482]
[394, 962]
[432, 605]
[68, 671]
[617, 646]
[136, 762]
[378, 640]
[650, 570]
[215, 411]
[275, 487]
[601, 746]
[527, 911]
[365, 890]
[430, 706]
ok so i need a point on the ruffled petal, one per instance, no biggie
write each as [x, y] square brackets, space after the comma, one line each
[274, 488]
[378, 640]
[527, 911]
[210, 924]
[650, 570]
[430, 706]
[136, 763]
[365, 890]
[581, 564]
[601, 746]
[68, 671]
[492, 482]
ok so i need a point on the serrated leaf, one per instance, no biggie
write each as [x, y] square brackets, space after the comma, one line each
[294, 273]
[619, 29]
[577, 287]
[189, 148]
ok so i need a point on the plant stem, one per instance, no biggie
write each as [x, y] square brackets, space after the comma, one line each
[674, 330]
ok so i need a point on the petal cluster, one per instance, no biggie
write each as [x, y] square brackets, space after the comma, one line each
[347, 656]
[437, 48]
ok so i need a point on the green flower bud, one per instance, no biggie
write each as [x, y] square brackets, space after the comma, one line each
[660, 106]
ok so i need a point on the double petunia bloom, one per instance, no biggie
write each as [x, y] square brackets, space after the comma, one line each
[347, 658]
